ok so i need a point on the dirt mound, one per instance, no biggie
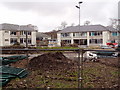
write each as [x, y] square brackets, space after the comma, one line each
[51, 61]
[114, 62]
[20, 64]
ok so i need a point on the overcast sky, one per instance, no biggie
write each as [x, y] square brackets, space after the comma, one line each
[48, 14]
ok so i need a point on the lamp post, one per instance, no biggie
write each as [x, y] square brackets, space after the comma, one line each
[79, 15]
[79, 58]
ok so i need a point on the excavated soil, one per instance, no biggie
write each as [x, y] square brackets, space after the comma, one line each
[20, 64]
[56, 60]
[113, 62]
[51, 61]
[50, 69]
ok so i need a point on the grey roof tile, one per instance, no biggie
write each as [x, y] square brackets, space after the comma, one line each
[85, 28]
[6, 26]
[111, 28]
[39, 34]
[26, 28]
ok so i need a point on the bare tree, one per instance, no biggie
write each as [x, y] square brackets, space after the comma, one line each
[87, 23]
[114, 23]
[63, 24]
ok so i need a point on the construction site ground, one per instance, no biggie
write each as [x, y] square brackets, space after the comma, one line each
[60, 70]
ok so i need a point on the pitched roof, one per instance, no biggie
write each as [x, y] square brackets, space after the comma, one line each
[111, 28]
[6, 26]
[39, 34]
[25, 27]
[86, 28]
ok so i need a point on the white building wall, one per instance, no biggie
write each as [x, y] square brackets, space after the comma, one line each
[88, 42]
[6, 36]
[33, 38]
[59, 39]
[1, 38]
[106, 37]
[71, 35]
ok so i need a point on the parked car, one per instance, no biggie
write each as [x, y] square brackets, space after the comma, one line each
[118, 48]
[105, 47]
[107, 54]
[90, 56]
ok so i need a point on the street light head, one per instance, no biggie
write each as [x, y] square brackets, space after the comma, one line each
[80, 2]
[77, 7]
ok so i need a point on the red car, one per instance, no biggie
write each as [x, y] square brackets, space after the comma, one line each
[113, 45]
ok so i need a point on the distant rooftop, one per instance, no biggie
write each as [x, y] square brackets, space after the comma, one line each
[87, 28]
[39, 34]
[6, 26]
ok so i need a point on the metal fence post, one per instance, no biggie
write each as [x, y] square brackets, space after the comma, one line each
[27, 48]
[81, 72]
[27, 59]
[80, 69]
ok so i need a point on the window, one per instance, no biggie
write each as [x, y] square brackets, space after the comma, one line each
[100, 41]
[13, 33]
[99, 33]
[29, 40]
[13, 40]
[25, 32]
[95, 33]
[24, 39]
[91, 34]
[79, 34]
[66, 41]
[83, 34]
[21, 40]
[6, 39]
[76, 34]
[114, 34]
[96, 41]
[65, 34]
[6, 31]
[21, 32]
[45, 38]
[29, 33]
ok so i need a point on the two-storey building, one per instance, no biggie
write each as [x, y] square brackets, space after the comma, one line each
[87, 35]
[12, 33]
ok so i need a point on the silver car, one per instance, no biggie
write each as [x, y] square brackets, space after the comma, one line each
[105, 47]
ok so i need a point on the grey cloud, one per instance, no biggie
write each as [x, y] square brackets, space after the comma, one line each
[93, 11]
[43, 8]
[98, 11]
